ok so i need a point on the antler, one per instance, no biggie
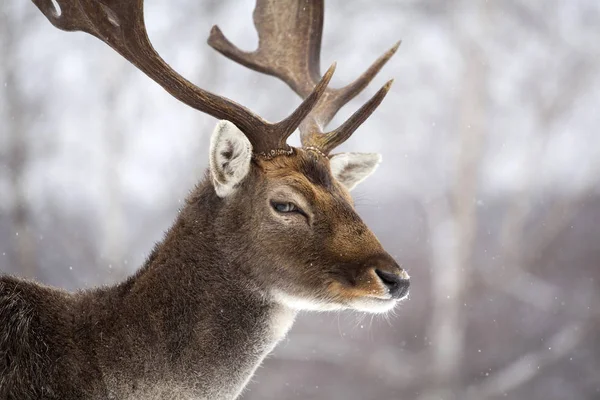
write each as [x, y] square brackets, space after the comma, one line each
[289, 33]
[120, 24]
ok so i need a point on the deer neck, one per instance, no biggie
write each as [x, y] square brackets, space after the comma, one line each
[204, 324]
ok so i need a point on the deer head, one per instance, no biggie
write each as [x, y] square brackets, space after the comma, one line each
[285, 212]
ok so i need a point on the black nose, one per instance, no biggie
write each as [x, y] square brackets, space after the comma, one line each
[396, 284]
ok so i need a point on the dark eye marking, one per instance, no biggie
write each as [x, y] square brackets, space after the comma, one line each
[316, 173]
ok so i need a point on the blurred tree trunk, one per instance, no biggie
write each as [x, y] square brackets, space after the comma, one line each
[114, 236]
[16, 122]
[453, 226]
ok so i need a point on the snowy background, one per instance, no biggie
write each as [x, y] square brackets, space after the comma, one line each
[488, 194]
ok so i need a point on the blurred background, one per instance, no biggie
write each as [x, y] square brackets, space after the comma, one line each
[488, 193]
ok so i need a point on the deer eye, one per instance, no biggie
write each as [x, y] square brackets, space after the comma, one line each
[284, 207]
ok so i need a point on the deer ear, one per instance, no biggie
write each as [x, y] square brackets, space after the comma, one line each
[230, 156]
[352, 168]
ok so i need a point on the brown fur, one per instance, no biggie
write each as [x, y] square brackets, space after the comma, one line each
[198, 317]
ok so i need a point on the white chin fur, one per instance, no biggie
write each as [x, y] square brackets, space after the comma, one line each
[370, 305]
[300, 304]
[375, 306]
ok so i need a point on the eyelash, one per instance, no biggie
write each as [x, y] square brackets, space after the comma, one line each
[286, 207]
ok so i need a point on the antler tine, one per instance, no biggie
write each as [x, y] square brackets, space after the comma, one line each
[328, 141]
[276, 134]
[120, 24]
[290, 33]
[329, 106]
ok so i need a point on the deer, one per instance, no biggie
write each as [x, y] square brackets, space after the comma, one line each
[270, 230]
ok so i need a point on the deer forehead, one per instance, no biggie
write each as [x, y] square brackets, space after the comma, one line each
[307, 173]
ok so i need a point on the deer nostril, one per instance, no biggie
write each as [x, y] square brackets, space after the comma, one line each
[396, 284]
[389, 278]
